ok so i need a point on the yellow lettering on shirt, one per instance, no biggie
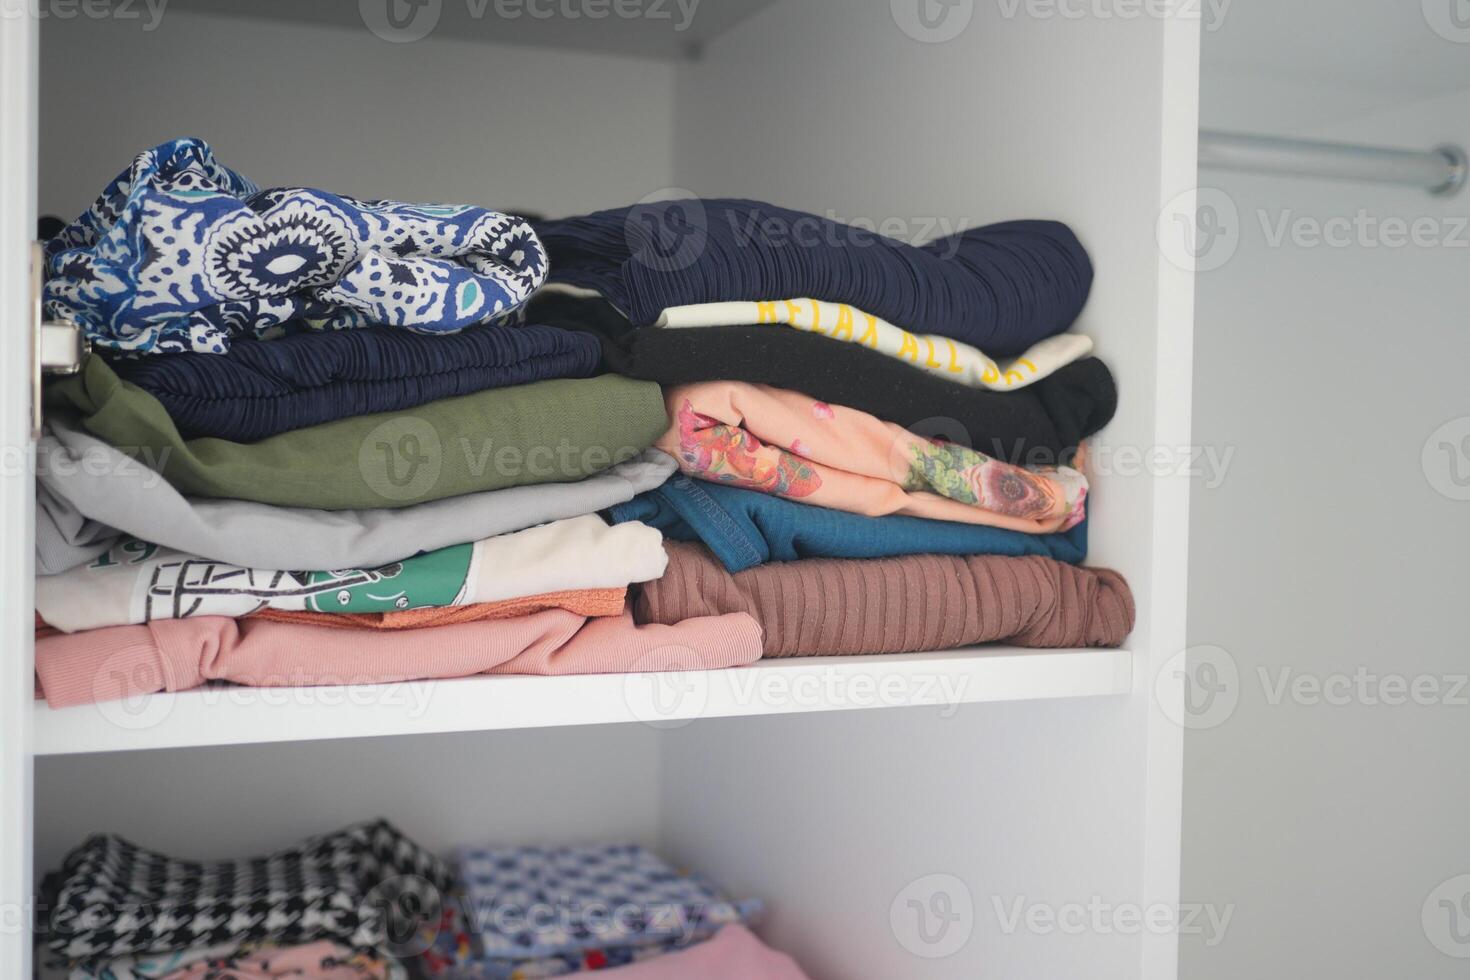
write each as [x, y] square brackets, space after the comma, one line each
[991, 375]
[870, 336]
[954, 358]
[793, 316]
[909, 348]
[844, 322]
[817, 319]
[929, 361]
[1013, 376]
[765, 312]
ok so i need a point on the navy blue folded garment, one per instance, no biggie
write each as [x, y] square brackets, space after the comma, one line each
[1000, 288]
[745, 528]
[263, 387]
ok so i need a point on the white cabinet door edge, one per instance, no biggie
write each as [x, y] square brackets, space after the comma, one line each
[19, 34]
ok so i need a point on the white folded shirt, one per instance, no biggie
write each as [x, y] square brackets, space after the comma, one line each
[134, 582]
[940, 356]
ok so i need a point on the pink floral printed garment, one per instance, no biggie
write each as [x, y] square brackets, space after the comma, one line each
[787, 444]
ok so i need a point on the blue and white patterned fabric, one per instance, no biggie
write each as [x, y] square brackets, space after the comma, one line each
[537, 902]
[180, 253]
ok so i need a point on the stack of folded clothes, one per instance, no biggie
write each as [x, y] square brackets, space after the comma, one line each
[319, 443]
[327, 907]
[523, 912]
[332, 441]
[881, 446]
[335, 441]
[368, 903]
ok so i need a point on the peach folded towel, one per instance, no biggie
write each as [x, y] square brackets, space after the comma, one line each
[787, 444]
[836, 606]
[179, 654]
[734, 953]
[583, 602]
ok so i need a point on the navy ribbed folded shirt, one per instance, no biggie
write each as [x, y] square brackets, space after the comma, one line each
[1000, 288]
[264, 387]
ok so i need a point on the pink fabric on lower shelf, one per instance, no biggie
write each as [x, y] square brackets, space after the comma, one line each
[179, 654]
[733, 954]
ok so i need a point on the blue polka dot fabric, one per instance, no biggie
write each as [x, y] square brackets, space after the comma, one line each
[527, 902]
[180, 253]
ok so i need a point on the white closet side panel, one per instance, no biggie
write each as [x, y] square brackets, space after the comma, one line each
[540, 786]
[870, 113]
[439, 119]
[18, 59]
[1161, 669]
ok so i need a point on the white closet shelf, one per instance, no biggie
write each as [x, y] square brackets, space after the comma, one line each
[230, 715]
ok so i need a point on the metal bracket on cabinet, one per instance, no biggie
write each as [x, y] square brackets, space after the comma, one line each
[57, 346]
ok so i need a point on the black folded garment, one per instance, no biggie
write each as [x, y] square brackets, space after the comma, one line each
[1038, 425]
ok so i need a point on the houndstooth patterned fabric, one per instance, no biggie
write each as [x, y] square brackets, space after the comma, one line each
[525, 902]
[360, 886]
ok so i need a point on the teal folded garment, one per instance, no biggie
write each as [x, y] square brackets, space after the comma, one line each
[745, 528]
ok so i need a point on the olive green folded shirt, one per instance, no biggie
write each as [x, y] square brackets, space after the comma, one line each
[547, 432]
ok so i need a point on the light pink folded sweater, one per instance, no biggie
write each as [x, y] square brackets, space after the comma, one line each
[733, 954]
[179, 654]
[834, 606]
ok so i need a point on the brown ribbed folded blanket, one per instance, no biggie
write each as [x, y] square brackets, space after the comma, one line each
[837, 606]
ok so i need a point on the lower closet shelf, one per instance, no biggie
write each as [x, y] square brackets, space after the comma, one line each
[227, 715]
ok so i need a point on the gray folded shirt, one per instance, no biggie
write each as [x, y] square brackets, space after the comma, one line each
[88, 494]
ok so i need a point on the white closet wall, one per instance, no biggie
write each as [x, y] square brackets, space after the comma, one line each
[548, 786]
[440, 119]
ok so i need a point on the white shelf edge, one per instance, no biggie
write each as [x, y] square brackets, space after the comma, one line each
[228, 715]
